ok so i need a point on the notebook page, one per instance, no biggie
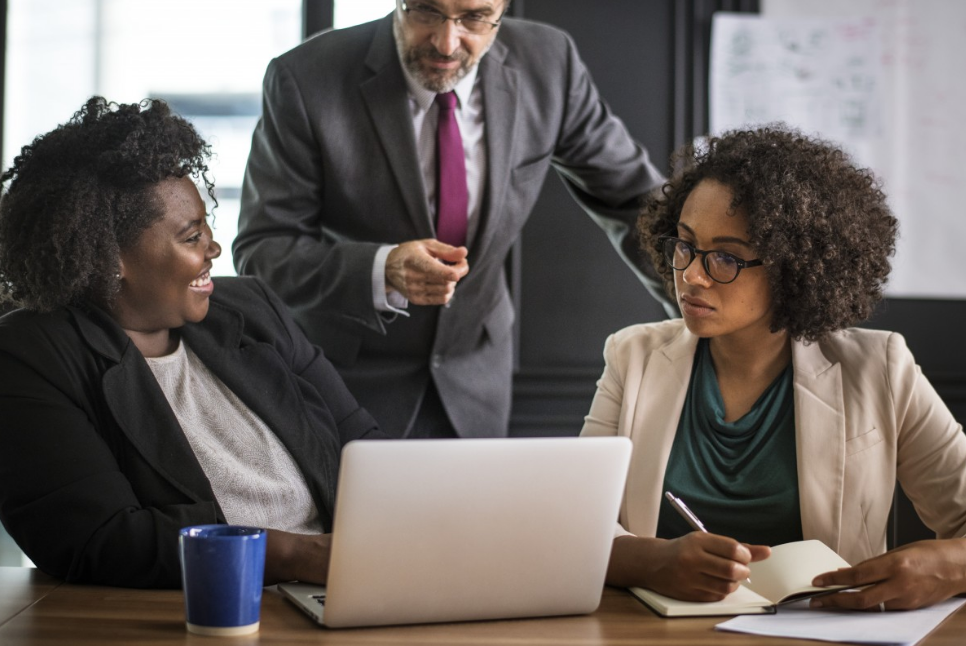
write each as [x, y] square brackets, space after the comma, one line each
[791, 568]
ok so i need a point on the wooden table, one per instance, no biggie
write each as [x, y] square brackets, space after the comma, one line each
[20, 588]
[38, 611]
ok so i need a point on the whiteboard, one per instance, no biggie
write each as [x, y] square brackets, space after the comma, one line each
[884, 78]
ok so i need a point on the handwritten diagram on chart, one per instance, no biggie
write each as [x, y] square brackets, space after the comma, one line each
[884, 79]
[820, 75]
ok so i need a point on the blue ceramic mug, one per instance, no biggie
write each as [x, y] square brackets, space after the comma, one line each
[222, 569]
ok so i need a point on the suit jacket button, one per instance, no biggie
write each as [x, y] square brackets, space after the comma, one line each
[437, 360]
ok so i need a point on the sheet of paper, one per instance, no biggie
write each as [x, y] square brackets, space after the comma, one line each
[891, 628]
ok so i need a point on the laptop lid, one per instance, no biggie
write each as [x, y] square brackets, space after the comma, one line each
[456, 530]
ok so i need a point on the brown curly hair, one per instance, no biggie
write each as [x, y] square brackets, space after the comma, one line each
[84, 191]
[820, 224]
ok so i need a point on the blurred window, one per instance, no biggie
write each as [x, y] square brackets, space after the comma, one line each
[205, 57]
[352, 12]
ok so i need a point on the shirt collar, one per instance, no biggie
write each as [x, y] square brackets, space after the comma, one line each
[424, 98]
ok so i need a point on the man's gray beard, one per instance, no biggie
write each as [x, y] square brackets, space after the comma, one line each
[439, 85]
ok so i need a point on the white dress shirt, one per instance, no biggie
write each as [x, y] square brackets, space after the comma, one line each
[425, 115]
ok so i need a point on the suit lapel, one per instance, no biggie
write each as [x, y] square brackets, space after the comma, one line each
[385, 96]
[820, 442]
[270, 394]
[663, 388]
[142, 412]
[233, 359]
[500, 106]
[140, 408]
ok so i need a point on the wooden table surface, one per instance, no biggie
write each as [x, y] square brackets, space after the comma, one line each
[37, 611]
[21, 587]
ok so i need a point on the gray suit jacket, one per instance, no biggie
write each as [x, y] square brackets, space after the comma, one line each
[333, 174]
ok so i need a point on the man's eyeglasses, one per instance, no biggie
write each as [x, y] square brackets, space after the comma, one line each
[425, 16]
[721, 266]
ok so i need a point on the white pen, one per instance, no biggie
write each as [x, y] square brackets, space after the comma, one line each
[688, 515]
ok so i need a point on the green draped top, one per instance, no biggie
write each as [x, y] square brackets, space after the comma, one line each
[740, 478]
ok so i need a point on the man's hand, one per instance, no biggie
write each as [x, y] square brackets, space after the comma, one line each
[426, 271]
[695, 567]
[912, 576]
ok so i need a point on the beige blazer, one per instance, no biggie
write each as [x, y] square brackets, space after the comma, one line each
[864, 417]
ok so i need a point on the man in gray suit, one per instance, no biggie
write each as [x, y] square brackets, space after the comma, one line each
[340, 198]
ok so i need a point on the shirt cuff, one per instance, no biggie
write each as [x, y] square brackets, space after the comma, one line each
[391, 301]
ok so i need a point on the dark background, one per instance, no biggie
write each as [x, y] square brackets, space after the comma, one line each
[649, 59]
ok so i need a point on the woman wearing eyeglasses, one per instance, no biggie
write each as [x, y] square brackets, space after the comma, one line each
[763, 408]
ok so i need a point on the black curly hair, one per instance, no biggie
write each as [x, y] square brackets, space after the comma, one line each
[820, 224]
[84, 191]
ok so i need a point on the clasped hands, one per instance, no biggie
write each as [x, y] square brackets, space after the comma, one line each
[426, 271]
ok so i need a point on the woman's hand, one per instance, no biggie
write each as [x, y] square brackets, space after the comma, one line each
[912, 576]
[296, 557]
[696, 567]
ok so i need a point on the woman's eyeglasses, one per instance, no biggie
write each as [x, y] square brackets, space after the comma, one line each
[721, 266]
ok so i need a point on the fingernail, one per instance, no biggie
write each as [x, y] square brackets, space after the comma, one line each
[818, 582]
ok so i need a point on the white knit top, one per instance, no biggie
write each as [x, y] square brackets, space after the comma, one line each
[252, 474]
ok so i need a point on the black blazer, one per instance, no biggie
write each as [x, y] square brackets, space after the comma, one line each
[96, 475]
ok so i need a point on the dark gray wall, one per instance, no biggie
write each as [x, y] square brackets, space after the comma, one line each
[574, 290]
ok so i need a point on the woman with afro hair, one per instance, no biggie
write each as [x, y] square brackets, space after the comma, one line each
[763, 408]
[138, 395]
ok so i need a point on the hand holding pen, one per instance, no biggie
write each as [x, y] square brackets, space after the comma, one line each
[699, 566]
[688, 515]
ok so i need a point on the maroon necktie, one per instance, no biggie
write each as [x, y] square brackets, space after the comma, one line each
[451, 193]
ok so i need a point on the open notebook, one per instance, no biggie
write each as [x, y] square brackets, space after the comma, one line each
[783, 577]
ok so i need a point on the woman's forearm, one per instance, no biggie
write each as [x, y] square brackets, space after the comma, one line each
[296, 557]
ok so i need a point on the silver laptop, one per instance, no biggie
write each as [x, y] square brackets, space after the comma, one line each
[457, 530]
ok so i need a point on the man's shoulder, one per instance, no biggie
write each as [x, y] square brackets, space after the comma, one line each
[520, 29]
[532, 40]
